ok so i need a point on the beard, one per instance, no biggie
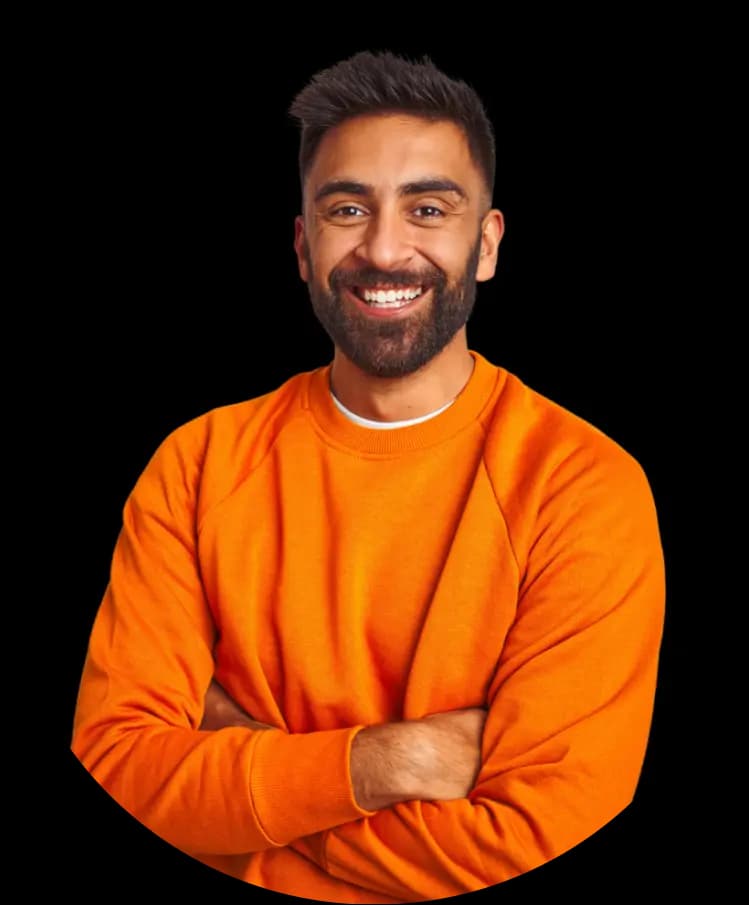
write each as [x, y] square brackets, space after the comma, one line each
[394, 348]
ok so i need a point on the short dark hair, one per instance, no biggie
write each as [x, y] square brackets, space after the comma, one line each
[381, 83]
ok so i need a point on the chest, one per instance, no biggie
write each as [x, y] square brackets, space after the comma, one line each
[348, 593]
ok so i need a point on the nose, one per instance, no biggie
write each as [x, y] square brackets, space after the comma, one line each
[386, 244]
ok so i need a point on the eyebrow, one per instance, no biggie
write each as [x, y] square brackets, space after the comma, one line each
[418, 187]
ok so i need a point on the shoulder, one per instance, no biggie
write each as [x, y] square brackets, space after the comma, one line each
[212, 451]
[548, 463]
[532, 433]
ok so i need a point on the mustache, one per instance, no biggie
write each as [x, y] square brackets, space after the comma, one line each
[366, 279]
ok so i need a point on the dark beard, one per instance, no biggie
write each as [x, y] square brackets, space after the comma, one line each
[395, 348]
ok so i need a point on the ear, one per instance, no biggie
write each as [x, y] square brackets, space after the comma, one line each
[299, 247]
[492, 230]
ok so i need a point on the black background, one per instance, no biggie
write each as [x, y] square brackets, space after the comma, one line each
[178, 160]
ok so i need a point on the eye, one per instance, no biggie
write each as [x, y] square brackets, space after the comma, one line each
[429, 207]
[349, 207]
[435, 215]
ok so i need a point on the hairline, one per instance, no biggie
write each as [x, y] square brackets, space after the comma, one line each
[485, 195]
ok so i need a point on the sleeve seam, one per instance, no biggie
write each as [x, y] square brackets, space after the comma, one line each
[215, 505]
[501, 511]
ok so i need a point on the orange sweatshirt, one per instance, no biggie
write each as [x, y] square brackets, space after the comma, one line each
[504, 553]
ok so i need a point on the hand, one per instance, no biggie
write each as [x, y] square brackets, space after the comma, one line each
[436, 758]
[220, 711]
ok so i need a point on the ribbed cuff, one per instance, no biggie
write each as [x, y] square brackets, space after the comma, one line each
[301, 784]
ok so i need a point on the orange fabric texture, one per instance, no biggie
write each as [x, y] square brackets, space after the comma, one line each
[503, 554]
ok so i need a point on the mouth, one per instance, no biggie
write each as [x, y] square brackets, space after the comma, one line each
[387, 303]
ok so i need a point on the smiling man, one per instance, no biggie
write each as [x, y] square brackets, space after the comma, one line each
[389, 632]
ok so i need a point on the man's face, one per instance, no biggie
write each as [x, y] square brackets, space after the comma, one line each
[372, 223]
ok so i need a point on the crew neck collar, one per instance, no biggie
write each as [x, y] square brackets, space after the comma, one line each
[385, 425]
[463, 411]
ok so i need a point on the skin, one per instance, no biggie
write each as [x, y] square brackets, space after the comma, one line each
[396, 368]
[418, 361]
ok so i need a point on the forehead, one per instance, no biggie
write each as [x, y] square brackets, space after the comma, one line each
[386, 151]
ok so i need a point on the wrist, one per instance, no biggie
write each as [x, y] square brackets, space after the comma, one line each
[387, 761]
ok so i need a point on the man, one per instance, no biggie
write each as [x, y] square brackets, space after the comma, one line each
[390, 632]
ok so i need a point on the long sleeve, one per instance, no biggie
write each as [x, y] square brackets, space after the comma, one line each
[149, 663]
[570, 704]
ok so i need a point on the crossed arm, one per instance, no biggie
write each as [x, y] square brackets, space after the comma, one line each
[436, 758]
[406, 810]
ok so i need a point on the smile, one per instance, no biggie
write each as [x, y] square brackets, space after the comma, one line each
[386, 303]
[396, 297]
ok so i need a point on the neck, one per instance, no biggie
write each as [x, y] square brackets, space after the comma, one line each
[402, 398]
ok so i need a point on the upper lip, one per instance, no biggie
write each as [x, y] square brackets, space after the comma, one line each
[389, 287]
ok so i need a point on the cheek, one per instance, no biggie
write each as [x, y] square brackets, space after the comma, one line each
[330, 260]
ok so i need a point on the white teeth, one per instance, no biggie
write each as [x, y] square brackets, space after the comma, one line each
[392, 298]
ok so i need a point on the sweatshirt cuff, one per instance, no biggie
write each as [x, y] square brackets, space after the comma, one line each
[301, 784]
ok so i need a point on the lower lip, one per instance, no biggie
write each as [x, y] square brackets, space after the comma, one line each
[375, 311]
